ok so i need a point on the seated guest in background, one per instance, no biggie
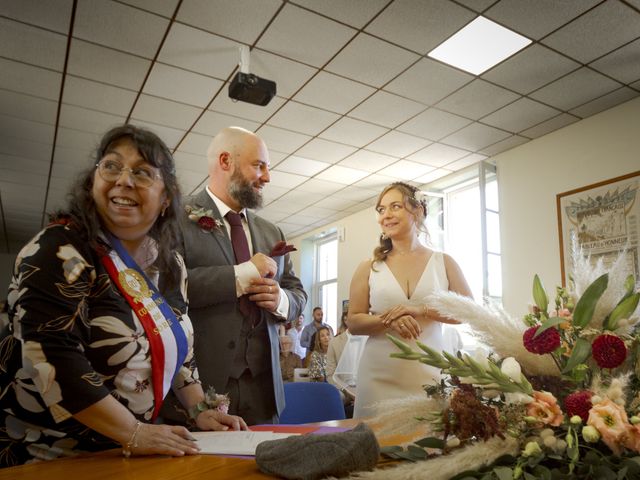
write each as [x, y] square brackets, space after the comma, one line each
[318, 359]
[295, 332]
[99, 330]
[343, 324]
[336, 346]
[289, 361]
[317, 315]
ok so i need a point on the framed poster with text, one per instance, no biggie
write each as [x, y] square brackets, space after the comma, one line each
[603, 219]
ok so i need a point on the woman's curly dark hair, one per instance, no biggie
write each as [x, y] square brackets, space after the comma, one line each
[416, 206]
[81, 207]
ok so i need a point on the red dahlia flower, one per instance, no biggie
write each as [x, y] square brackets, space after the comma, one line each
[578, 403]
[207, 223]
[546, 342]
[608, 351]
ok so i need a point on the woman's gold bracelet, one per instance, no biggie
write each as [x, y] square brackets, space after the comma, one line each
[126, 451]
[425, 310]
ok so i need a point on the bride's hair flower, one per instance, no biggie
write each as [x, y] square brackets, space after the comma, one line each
[578, 403]
[608, 351]
[546, 342]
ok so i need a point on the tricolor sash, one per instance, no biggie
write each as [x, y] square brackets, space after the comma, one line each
[167, 339]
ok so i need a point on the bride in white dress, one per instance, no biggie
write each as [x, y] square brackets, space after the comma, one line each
[388, 294]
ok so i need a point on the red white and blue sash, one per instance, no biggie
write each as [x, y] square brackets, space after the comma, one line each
[167, 339]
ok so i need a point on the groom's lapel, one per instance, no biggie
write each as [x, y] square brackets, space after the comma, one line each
[258, 239]
[220, 234]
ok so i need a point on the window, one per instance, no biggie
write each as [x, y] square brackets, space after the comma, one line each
[325, 282]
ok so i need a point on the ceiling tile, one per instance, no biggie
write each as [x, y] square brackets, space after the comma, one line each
[84, 144]
[424, 23]
[288, 75]
[119, 26]
[344, 175]
[353, 132]
[317, 38]
[21, 165]
[302, 118]
[375, 182]
[191, 162]
[276, 158]
[161, 7]
[35, 81]
[90, 121]
[428, 82]
[371, 61]
[97, 96]
[284, 206]
[605, 28]
[352, 12]
[211, 123]
[519, 115]
[406, 170]
[28, 107]
[536, 19]
[319, 212]
[256, 113]
[555, 123]
[325, 151]
[200, 52]
[433, 175]
[52, 15]
[636, 85]
[356, 193]
[398, 143]
[96, 63]
[282, 140]
[26, 129]
[434, 124]
[302, 166]
[475, 136]
[272, 193]
[180, 85]
[437, 155]
[333, 93]
[503, 145]
[196, 143]
[575, 89]
[477, 5]
[623, 64]
[477, 99]
[606, 101]
[301, 220]
[286, 180]
[241, 20]
[465, 162]
[325, 187]
[368, 161]
[164, 112]
[23, 148]
[301, 199]
[32, 45]
[336, 203]
[386, 109]
[530, 69]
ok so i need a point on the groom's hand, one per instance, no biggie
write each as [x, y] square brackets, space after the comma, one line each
[267, 266]
[265, 292]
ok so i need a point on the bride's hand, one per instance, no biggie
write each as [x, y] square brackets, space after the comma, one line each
[406, 326]
[399, 311]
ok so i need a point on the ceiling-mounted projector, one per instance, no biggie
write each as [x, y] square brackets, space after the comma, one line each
[247, 87]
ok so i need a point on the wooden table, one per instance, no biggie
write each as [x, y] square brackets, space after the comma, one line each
[111, 465]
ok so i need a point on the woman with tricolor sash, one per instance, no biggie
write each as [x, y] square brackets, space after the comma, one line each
[99, 329]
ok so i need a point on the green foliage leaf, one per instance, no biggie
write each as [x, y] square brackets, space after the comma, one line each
[623, 310]
[548, 323]
[603, 472]
[581, 351]
[431, 442]
[390, 449]
[583, 312]
[539, 294]
[503, 473]
[417, 452]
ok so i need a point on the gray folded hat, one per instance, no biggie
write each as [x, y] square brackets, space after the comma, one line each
[308, 457]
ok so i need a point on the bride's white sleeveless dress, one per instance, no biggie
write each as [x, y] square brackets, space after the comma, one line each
[379, 376]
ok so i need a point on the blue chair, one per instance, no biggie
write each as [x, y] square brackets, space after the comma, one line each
[307, 402]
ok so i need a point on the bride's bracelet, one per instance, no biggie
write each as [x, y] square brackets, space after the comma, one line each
[425, 310]
[126, 450]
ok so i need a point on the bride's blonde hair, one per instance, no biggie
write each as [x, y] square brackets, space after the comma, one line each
[414, 204]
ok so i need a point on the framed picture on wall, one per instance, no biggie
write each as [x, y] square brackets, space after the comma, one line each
[603, 219]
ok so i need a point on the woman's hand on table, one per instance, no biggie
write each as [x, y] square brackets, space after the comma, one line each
[171, 440]
[216, 420]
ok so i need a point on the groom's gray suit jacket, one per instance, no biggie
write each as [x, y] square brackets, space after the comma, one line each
[214, 306]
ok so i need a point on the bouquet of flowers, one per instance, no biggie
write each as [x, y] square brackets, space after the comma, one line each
[558, 397]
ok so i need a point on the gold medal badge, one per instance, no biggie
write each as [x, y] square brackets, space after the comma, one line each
[134, 284]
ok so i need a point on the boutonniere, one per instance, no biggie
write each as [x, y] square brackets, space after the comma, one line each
[204, 218]
[281, 248]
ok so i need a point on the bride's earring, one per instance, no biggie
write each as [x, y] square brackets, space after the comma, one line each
[383, 237]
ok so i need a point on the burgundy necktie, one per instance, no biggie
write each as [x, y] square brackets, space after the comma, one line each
[242, 254]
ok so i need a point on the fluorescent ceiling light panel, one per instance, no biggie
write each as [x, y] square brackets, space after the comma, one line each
[479, 46]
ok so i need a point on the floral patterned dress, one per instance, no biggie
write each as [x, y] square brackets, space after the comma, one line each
[75, 340]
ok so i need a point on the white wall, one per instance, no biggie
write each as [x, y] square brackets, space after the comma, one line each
[530, 176]
[6, 268]
[603, 146]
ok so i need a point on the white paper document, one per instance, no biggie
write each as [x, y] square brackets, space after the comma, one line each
[234, 443]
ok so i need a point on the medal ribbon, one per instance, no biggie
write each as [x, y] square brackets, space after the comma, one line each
[167, 340]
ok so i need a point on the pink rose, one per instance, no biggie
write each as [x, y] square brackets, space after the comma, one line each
[545, 409]
[610, 420]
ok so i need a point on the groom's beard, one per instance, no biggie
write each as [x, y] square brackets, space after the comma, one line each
[243, 192]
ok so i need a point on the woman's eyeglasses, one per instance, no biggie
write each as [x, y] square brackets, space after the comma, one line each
[111, 170]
